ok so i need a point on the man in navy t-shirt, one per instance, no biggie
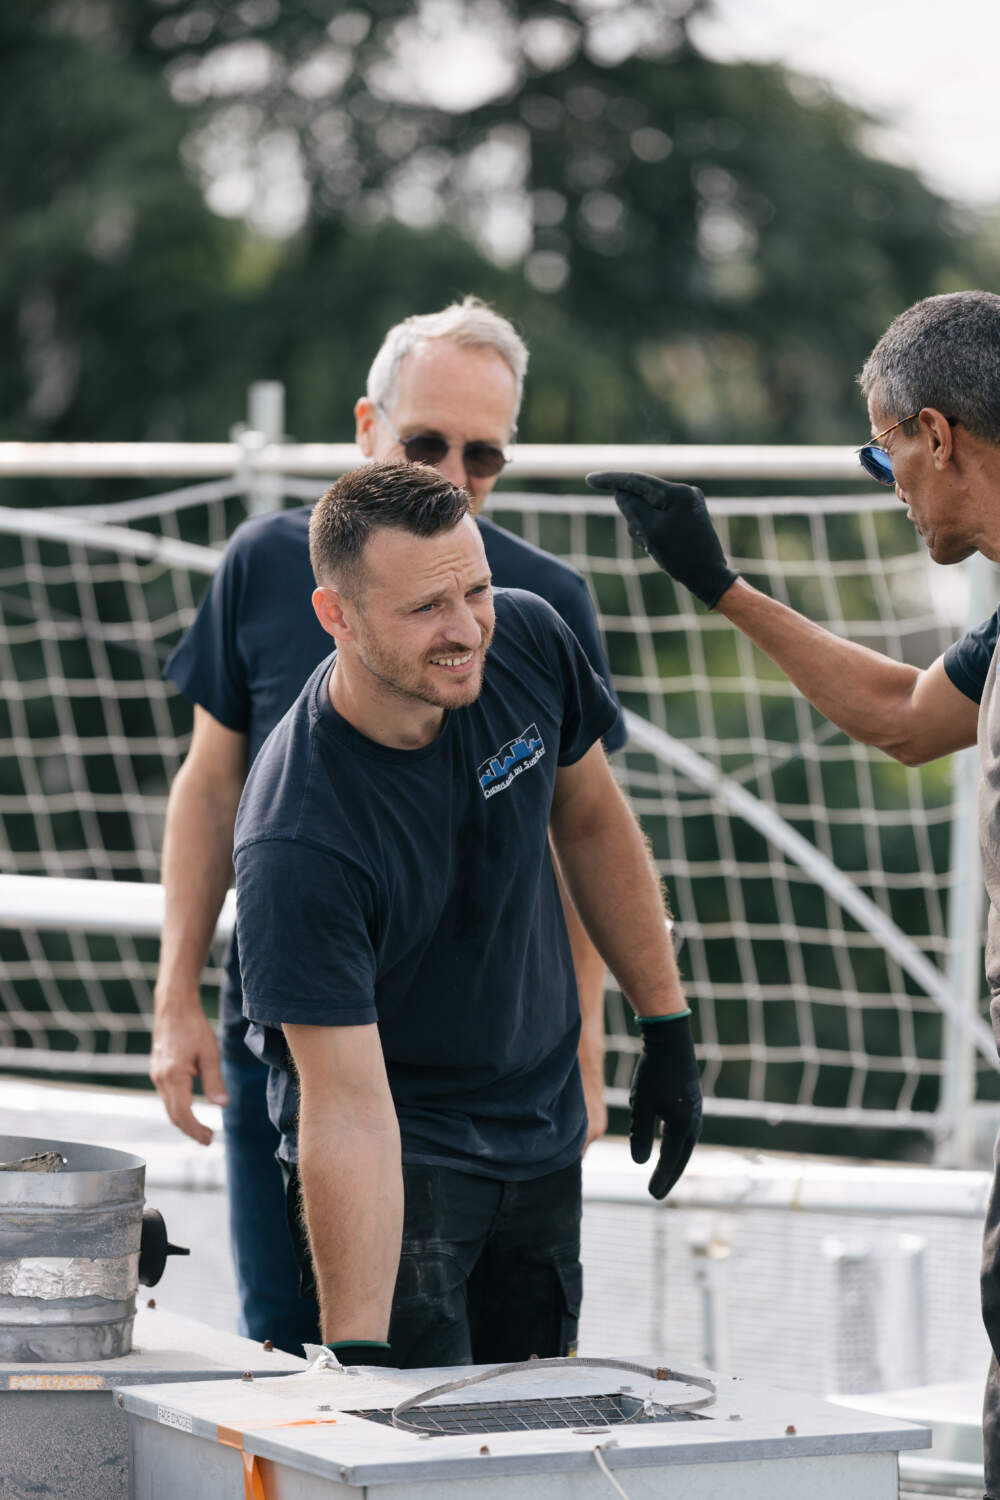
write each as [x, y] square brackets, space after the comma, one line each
[406, 966]
[444, 387]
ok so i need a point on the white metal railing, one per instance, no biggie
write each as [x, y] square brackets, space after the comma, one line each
[318, 460]
[256, 458]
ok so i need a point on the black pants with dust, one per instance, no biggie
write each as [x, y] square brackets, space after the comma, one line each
[489, 1271]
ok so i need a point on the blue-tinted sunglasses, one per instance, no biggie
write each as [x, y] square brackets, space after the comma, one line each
[875, 461]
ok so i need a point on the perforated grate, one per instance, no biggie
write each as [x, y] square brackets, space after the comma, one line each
[530, 1416]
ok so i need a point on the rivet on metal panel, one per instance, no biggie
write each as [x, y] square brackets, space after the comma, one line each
[246, 1375]
[150, 1301]
[789, 1430]
[484, 1452]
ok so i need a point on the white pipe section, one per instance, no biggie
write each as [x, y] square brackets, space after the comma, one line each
[720, 1178]
[535, 460]
[59, 528]
[52, 904]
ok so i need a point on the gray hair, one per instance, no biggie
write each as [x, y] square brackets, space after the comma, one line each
[942, 352]
[470, 324]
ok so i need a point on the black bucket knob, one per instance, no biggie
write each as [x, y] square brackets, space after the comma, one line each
[154, 1247]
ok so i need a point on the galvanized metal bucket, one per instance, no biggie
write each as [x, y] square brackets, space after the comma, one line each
[69, 1252]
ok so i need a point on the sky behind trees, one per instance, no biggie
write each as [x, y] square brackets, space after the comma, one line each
[931, 74]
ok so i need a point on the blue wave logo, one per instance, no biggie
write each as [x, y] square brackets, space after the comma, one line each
[497, 773]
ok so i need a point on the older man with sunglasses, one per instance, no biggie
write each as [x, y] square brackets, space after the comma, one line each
[933, 389]
[444, 389]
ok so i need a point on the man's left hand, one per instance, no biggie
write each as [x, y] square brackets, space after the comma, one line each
[666, 1086]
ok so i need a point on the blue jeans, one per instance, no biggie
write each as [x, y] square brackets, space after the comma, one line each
[267, 1272]
[489, 1272]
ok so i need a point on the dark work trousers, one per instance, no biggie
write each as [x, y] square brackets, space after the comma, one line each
[489, 1272]
[990, 1288]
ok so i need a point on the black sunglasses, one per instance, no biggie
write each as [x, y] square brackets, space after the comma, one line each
[480, 460]
[875, 461]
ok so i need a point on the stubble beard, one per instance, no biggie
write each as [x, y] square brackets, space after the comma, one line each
[407, 685]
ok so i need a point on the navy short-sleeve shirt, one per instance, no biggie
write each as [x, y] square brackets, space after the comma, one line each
[256, 638]
[414, 889]
[967, 662]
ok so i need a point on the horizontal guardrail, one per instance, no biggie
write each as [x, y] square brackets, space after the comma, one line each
[252, 455]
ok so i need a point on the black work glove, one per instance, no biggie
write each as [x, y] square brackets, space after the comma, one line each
[665, 1086]
[362, 1352]
[672, 523]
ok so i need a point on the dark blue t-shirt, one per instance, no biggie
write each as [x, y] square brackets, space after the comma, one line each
[414, 889]
[967, 662]
[256, 639]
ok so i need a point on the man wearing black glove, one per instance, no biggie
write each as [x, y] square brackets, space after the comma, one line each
[665, 1086]
[932, 385]
[671, 522]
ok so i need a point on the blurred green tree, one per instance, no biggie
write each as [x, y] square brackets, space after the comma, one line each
[197, 193]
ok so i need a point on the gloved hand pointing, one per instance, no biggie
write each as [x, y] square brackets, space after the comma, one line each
[665, 1086]
[672, 523]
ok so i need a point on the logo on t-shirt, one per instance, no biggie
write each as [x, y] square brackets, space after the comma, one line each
[497, 773]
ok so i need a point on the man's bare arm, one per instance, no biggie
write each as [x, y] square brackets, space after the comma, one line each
[913, 715]
[607, 867]
[351, 1175]
[196, 869]
[612, 879]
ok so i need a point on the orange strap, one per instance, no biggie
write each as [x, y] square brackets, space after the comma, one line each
[253, 1479]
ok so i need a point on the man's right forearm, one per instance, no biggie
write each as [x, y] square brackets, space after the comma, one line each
[867, 695]
[912, 715]
[352, 1188]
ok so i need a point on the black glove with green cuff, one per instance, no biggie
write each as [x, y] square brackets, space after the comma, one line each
[362, 1352]
[672, 523]
[665, 1086]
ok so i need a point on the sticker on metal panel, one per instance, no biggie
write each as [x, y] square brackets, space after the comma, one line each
[55, 1383]
[182, 1420]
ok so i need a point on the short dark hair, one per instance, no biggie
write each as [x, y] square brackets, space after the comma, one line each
[942, 352]
[411, 497]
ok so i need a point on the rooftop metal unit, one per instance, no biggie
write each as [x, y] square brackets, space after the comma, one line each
[325, 1433]
[62, 1434]
[75, 1242]
[954, 1413]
